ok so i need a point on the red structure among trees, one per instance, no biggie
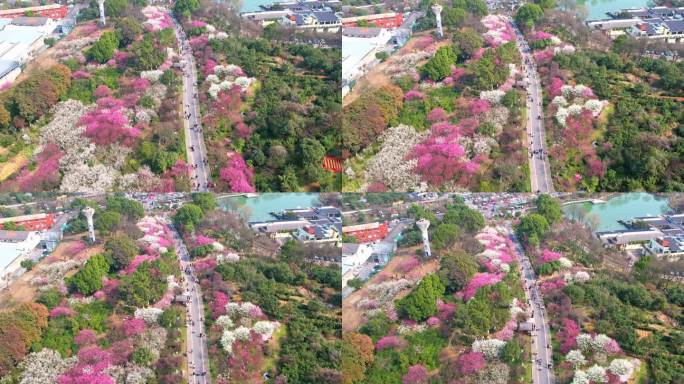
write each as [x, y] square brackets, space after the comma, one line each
[365, 233]
[53, 11]
[381, 20]
[39, 222]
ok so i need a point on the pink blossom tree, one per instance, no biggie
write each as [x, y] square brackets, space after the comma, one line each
[471, 362]
[108, 124]
[238, 175]
[85, 337]
[480, 280]
[437, 114]
[549, 256]
[567, 335]
[417, 374]
[390, 341]
[218, 305]
[133, 326]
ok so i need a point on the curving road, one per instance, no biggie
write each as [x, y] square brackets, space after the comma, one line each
[194, 140]
[542, 362]
[540, 172]
[198, 357]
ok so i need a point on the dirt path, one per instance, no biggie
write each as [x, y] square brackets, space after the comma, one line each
[352, 317]
[21, 290]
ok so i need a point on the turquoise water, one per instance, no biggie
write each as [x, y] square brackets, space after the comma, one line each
[605, 216]
[259, 208]
[598, 8]
[253, 5]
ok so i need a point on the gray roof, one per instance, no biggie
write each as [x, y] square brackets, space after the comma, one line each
[675, 26]
[326, 17]
[13, 236]
[361, 32]
[349, 248]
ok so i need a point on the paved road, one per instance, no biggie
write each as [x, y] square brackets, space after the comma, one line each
[542, 368]
[194, 140]
[198, 357]
[540, 172]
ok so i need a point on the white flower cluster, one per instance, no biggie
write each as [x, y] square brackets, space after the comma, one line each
[150, 315]
[566, 49]
[580, 378]
[384, 292]
[578, 277]
[595, 106]
[224, 321]
[218, 246]
[494, 97]
[597, 374]
[218, 35]
[505, 268]
[390, 166]
[490, 348]
[230, 257]
[44, 366]
[152, 75]
[560, 101]
[240, 309]
[79, 300]
[83, 178]
[576, 358]
[227, 70]
[514, 307]
[570, 91]
[621, 367]
[404, 329]
[265, 328]
[565, 263]
[136, 374]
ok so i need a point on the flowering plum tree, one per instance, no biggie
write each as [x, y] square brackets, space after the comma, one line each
[417, 374]
[471, 362]
[238, 174]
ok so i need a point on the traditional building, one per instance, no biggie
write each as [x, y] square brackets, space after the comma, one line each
[366, 233]
[37, 222]
[389, 20]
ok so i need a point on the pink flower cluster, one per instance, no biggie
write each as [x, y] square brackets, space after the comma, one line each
[480, 280]
[567, 335]
[552, 285]
[471, 362]
[390, 341]
[506, 333]
[437, 114]
[80, 75]
[218, 305]
[204, 265]
[202, 240]
[61, 311]
[548, 256]
[133, 326]
[90, 369]
[417, 374]
[85, 337]
[413, 95]
[479, 106]
[541, 35]
[238, 175]
[198, 24]
[544, 56]
[445, 311]
[133, 265]
[107, 124]
[432, 321]
[409, 264]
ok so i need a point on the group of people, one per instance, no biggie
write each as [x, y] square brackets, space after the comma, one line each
[187, 279]
[187, 70]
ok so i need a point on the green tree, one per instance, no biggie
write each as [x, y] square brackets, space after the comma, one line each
[550, 208]
[185, 7]
[121, 249]
[421, 302]
[132, 209]
[115, 8]
[204, 200]
[456, 269]
[188, 215]
[107, 221]
[445, 235]
[529, 14]
[468, 41]
[145, 56]
[546, 4]
[127, 30]
[439, 66]
[312, 158]
[104, 48]
[453, 17]
[531, 228]
[89, 278]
